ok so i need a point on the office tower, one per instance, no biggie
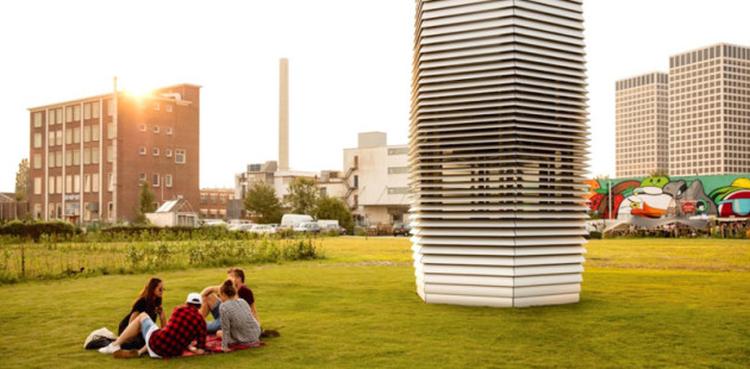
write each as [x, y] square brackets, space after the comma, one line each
[642, 124]
[89, 156]
[709, 111]
[498, 147]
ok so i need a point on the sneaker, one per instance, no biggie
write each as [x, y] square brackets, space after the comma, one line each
[109, 349]
[125, 354]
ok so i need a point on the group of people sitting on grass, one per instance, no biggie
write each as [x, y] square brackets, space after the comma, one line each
[232, 305]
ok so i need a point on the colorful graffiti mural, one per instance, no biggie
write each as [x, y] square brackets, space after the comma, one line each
[659, 200]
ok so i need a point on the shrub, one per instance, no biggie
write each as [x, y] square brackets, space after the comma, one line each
[35, 230]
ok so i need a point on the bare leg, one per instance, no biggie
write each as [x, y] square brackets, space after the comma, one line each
[132, 331]
[209, 300]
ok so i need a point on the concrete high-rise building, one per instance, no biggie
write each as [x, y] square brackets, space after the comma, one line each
[498, 147]
[89, 156]
[376, 176]
[641, 125]
[709, 111]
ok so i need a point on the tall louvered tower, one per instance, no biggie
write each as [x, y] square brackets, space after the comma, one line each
[498, 151]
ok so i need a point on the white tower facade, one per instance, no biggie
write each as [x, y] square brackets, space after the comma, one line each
[498, 151]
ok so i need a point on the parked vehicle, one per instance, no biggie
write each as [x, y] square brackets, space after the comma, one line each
[331, 225]
[243, 227]
[307, 227]
[213, 223]
[263, 229]
[293, 220]
[401, 229]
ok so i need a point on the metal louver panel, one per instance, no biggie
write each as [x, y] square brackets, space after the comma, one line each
[498, 149]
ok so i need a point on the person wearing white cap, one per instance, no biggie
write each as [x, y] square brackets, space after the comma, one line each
[185, 325]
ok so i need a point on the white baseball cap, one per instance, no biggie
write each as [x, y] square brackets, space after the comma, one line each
[194, 298]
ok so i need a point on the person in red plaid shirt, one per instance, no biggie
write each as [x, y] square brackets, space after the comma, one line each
[185, 325]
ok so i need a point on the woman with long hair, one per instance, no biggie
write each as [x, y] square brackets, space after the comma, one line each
[238, 326]
[149, 302]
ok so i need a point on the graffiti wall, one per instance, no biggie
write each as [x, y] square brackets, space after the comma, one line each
[659, 200]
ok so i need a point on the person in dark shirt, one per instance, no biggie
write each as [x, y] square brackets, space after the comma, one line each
[185, 325]
[149, 302]
[212, 302]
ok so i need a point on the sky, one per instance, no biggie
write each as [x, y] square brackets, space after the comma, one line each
[350, 67]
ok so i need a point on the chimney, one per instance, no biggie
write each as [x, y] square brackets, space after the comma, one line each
[283, 114]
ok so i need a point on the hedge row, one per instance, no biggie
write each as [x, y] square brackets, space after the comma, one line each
[34, 231]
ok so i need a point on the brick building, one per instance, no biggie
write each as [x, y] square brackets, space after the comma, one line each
[214, 202]
[89, 156]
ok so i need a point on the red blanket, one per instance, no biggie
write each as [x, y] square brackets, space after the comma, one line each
[213, 345]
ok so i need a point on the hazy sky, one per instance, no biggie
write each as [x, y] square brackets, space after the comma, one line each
[350, 66]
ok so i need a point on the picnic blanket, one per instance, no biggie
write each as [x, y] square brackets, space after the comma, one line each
[213, 345]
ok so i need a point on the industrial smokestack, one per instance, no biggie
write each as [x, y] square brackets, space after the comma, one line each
[283, 114]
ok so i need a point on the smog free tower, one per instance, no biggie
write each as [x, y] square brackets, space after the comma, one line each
[498, 150]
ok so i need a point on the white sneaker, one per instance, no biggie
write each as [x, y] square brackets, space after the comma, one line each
[109, 349]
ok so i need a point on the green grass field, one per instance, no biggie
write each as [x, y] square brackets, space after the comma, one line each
[645, 304]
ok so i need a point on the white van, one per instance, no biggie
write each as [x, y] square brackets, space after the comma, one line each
[293, 220]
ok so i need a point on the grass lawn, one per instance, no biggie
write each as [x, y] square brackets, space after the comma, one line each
[646, 303]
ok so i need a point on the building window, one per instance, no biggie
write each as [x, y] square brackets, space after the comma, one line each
[110, 130]
[155, 151]
[37, 140]
[69, 114]
[87, 156]
[51, 185]
[398, 170]
[141, 178]
[168, 107]
[86, 111]
[95, 182]
[110, 107]
[142, 150]
[142, 127]
[77, 135]
[168, 180]
[169, 131]
[86, 133]
[156, 129]
[168, 153]
[77, 183]
[95, 110]
[68, 183]
[37, 185]
[59, 159]
[157, 106]
[94, 155]
[398, 190]
[59, 116]
[155, 180]
[76, 157]
[398, 151]
[111, 184]
[68, 136]
[110, 154]
[51, 138]
[38, 119]
[180, 156]
[95, 133]
[87, 183]
[37, 161]
[76, 112]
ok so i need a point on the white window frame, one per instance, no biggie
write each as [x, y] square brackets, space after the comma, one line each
[169, 131]
[155, 151]
[168, 180]
[142, 150]
[156, 129]
[156, 180]
[180, 154]
[168, 108]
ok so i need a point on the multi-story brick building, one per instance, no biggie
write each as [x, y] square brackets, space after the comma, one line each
[642, 124]
[214, 202]
[89, 156]
[709, 111]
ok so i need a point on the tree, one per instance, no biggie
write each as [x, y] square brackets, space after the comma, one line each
[145, 203]
[333, 208]
[303, 196]
[22, 180]
[262, 202]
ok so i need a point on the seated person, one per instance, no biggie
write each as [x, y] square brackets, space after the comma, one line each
[149, 302]
[185, 325]
[211, 301]
[238, 326]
